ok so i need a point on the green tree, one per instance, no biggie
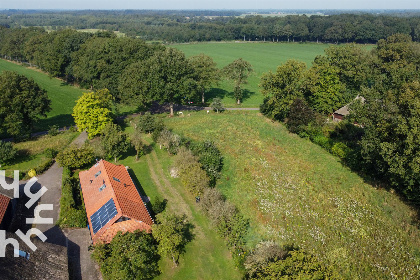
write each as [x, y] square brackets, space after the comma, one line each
[114, 141]
[93, 112]
[137, 142]
[7, 152]
[172, 233]
[300, 115]
[128, 256]
[73, 157]
[282, 88]
[166, 77]
[147, 123]
[322, 87]
[238, 71]
[22, 102]
[205, 72]
[217, 105]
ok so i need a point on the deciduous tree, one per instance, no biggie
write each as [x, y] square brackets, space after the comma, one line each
[93, 112]
[114, 141]
[205, 72]
[238, 71]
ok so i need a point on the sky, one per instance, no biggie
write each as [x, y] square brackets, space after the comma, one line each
[208, 4]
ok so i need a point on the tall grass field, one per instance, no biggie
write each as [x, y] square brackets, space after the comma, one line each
[295, 192]
[263, 57]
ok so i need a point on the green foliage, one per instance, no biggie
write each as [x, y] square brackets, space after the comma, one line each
[205, 72]
[22, 102]
[298, 265]
[299, 116]
[7, 152]
[322, 87]
[192, 176]
[73, 157]
[54, 130]
[137, 142]
[282, 88]
[50, 153]
[114, 141]
[128, 256]
[169, 140]
[93, 112]
[165, 77]
[340, 150]
[238, 71]
[264, 253]
[209, 156]
[172, 233]
[159, 205]
[229, 223]
[217, 105]
[148, 123]
[72, 209]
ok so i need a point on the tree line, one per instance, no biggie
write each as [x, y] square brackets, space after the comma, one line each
[188, 26]
[381, 89]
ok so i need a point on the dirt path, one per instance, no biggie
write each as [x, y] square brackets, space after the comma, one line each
[176, 203]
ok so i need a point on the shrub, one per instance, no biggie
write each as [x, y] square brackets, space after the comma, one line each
[210, 158]
[72, 209]
[340, 150]
[146, 123]
[217, 105]
[322, 141]
[54, 130]
[74, 157]
[264, 253]
[128, 256]
[7, 152]
[50, 153]
[170, 141]
[299, 116]
[192, 176]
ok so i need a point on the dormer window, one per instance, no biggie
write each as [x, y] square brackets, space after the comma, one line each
[116, 179]
[102, 187]
[97, 174]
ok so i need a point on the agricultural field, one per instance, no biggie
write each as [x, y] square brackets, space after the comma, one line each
[263, 57]
[295, 192]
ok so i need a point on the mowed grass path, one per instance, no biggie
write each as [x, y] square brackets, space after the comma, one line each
[297, 193]
[63, 97]
[263, 57]
[206, 257]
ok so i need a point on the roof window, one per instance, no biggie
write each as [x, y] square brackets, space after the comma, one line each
[97, 174]
[102, 187]
[116, 179]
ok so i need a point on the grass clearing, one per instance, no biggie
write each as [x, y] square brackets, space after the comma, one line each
[206, 257]
[32, 152]
[297, 193]
[263, 57]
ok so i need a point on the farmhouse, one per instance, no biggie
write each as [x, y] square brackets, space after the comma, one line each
[112, 202]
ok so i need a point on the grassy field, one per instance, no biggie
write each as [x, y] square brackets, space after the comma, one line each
[63, 97]
[206, 257]
[295, 192]
[263, 57]
[32, 153]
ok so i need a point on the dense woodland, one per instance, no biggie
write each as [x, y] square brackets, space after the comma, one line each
[189, 26]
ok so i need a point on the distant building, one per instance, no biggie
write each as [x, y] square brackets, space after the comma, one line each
[343, 112]
[8, 206]
[112, 202]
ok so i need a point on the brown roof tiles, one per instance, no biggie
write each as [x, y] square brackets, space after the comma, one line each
[4, 203]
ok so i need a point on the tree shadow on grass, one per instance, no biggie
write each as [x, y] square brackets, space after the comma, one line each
[216, 92]
[64, 120]
[140, 190]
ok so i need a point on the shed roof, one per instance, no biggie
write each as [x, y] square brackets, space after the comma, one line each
[110, 194]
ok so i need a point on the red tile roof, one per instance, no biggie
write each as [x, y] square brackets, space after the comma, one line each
[122, 189]
[4, 203]
[130, 225]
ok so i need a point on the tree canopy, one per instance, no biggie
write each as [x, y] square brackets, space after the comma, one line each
[238, 71]
[22, 102]
[93, 112]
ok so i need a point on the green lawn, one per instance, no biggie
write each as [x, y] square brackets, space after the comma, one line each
[32, 153]
[263, 57]
[295, 192]
[206, 257]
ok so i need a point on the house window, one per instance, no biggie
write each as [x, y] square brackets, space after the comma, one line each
[116, 179]
[102, 187]
[97, 174]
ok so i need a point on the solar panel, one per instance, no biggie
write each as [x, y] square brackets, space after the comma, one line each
[103, 215]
